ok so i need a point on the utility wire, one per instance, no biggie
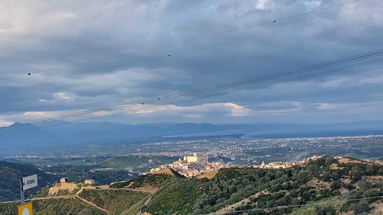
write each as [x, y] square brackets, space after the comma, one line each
[192, 93]
[216, 90]
[219, 87]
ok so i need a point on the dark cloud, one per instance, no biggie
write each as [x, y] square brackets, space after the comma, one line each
[85, 55]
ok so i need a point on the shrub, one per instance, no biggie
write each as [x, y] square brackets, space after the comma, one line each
[361, 207]
[373, 192]
[325, 210]
[335, 185]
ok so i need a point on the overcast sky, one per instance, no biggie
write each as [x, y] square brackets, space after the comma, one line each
[89, 54]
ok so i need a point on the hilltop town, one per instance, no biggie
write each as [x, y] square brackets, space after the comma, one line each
[192, 166]
[198, 165]
[305, 161]
[313, 181]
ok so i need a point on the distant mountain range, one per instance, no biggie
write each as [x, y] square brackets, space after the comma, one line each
[21, 135]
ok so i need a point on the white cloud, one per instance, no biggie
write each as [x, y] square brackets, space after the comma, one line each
[32, 18]
[331, 106]
[229, 109]
[5, 123]
[238, 110]
[29, 116]
[223, 109]
[261, 4]
[62, 42]
[38, 114]
[61, 96]
[313, 4]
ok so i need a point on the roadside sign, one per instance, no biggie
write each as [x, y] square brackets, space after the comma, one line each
[29, 182]
[25, 209]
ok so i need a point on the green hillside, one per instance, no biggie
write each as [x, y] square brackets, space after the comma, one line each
[154, 180]
[9, 179]
[323, 186]
[116, 201]
[177, 197]
[312, 188]
[319, 181]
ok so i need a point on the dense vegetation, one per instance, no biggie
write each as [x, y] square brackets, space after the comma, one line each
[9, 179]
[156, 180]
[116, 201]
[320, 179]
[318, 182]
[177, 197]
[323, 186]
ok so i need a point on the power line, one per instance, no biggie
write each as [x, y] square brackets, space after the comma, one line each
[197, 92]
[202, 90]
[219, 87]
[175, 98]
[216, 90]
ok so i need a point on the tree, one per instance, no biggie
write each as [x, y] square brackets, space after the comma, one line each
[357, 175]
[325, 210]
[335, 185]
[361, 207]
[326, 176]
[373, 192]
[334, 175]
[349, 186]
[330, 160]
[364, 185]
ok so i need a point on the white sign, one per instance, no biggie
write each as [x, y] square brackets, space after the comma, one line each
[29, 182]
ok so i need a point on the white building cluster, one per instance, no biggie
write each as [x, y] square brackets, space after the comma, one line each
[284, 165]
[192, 166]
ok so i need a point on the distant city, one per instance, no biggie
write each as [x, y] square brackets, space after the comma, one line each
[193, 156]
[235, 149]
